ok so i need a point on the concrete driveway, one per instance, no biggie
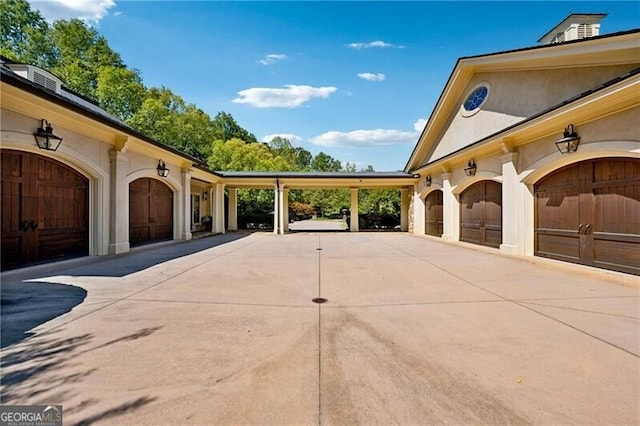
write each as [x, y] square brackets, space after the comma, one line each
[223, 330]
[318, 225]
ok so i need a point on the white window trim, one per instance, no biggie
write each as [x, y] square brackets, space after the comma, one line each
[473, 112]
[193, 195]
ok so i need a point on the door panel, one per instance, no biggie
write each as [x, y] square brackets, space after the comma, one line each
[433, 213]
[481, 214]
[600, 210]
[557, 205]
[45, 210]
[150, 211]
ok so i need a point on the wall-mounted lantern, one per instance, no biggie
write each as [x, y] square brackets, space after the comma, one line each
[163, 171]
[569, 142]
[45, 137]
[205, 195]
[427, 181]
[471, 168]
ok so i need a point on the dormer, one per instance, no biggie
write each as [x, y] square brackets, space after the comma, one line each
[576, 26]
[37, 75]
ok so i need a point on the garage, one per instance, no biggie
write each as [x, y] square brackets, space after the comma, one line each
[150, 211]
[45, 210]
[481, 214]
[433, 224]
[589, 213]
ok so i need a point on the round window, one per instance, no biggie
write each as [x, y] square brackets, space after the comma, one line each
[476, 98]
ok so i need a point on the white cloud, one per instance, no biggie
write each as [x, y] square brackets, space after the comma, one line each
[291, 96]
[377, 43]
[371, 76]
[419, 124]
[363, 138]
[90, 11]
[293, 138]
[272, 58]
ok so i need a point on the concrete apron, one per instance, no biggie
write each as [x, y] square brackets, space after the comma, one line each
[224, 330]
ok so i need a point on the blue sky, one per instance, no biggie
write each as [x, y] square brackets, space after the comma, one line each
[356, 80]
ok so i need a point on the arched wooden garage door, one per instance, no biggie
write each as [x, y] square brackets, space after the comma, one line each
[433, 213]
[589, 213]
[150, 211]
[481, 214]
[45, 210]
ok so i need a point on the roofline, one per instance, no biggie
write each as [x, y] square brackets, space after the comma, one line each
[549, 110]
[556, 45]
[315, 175]
[504, 52]
[10, 61]
[42, 92]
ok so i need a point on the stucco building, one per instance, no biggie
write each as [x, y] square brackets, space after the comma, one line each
[537, 151]
[534, 152]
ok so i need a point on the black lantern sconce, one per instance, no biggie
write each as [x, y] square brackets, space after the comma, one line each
[427, 181]
[163, 171]
[569, 142]
[45, 137]
[205, 195]
[471, 168]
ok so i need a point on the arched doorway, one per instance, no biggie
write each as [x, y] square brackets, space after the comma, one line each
[589, 213]
[481, 214]
[45, 210]
[150, 211]
[433, 222]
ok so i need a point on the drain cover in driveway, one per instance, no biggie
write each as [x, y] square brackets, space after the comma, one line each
[319, 300]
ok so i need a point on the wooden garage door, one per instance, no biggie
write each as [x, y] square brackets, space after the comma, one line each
[45, 210]
[481, 214]
[589, 213]
[150, 211]
[433, 213]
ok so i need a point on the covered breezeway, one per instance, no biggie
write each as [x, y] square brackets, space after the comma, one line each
[282, 182]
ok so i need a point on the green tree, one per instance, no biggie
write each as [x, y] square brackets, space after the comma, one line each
[166, 117]
[328, 202]
[227, 128]
[237, 155]
[24, 35]
[325, 163]
[120, 91]
[303, 158]
[80, 55]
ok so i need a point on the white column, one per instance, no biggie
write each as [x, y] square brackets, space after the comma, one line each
[186, 205]
[276, 207]
[233, 209]
[281, 207]
[528, 219]
[209, 202]
[450, 210]
[418, 212]
[118, 203]
[354, 226]
[285, 209]
[218, 207]
[512, 217]
[404, 209]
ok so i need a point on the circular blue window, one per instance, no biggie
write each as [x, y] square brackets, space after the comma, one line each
[476, 98]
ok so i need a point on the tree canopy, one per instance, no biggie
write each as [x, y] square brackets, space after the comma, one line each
[84, 61]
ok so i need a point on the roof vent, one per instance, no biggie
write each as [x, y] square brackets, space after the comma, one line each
[37, 75]
[576, 26]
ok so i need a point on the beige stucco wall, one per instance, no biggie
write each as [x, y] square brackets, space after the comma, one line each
[109, 175]
[616, 135]
[514, 96]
